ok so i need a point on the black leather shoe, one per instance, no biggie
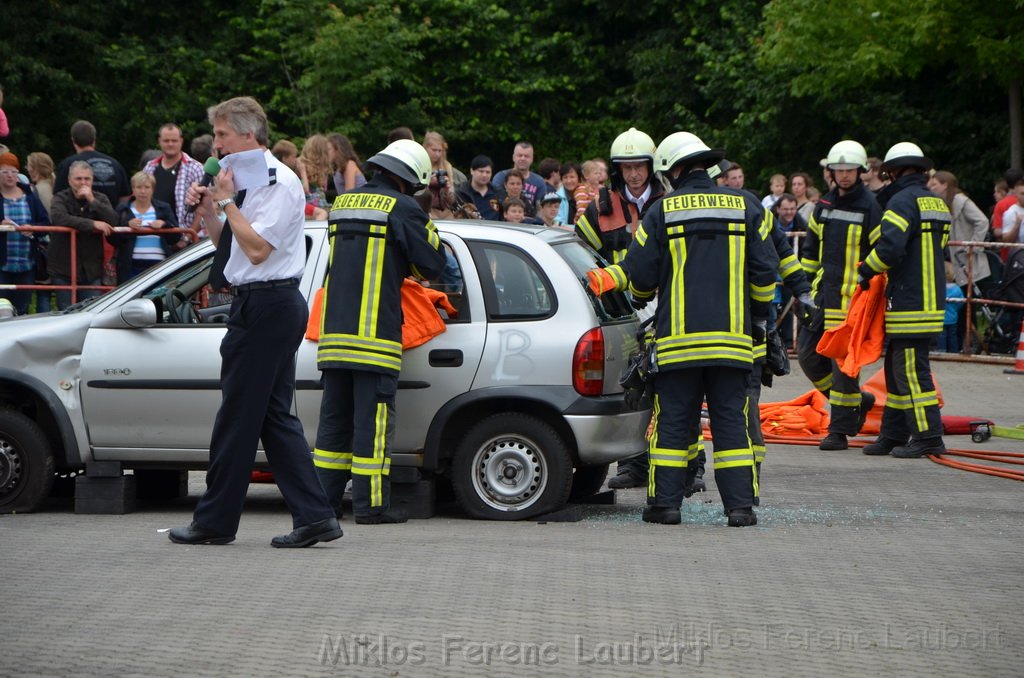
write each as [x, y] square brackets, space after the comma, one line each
[662, 515]
[194, 534]
[881, 447]
[624, 481]
[916, 449]
[867, 401]
[307, 535]
[742, 517]
[834, 441]
[392, 516]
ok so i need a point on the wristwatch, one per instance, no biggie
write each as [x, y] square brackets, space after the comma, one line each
[225, 202]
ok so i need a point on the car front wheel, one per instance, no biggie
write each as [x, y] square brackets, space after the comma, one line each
[26, 463]
[511, 466]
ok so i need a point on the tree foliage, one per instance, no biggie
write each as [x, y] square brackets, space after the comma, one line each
[776, 82]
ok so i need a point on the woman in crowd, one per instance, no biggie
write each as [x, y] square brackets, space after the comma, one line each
[40, 170]
[138, 251]
[969, 223]
[437, 149]
[595, 173]
[316, 157]
[19, 207]
[514, 189]
[344, 164]
[570, 180]
[799, 182]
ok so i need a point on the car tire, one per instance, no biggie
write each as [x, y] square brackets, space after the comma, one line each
[587, 481]
[511, 466]
[26, 463]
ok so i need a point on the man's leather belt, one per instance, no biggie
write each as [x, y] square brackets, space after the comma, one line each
[263, 285]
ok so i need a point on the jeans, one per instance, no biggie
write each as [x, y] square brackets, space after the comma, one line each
[64, 296]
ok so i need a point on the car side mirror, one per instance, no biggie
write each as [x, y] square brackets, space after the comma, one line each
[137, 313]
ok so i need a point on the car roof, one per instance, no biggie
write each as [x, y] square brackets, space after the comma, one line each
[479, 229]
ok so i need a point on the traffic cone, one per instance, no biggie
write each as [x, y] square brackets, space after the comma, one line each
[1018, 362]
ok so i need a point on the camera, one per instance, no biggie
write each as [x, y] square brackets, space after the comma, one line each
[442, 177]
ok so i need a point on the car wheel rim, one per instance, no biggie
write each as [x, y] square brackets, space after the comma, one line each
[509, 473]
[10, 467]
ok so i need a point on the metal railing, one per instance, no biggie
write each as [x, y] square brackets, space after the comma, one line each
[972, 303]
[74, 233]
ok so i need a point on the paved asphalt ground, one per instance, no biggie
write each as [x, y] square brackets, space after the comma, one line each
[860, 566]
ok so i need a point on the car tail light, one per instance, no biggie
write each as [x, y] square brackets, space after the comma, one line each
[588, 363]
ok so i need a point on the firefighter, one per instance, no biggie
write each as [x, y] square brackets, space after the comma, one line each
[379, 235]
[838, 238]
[909, 247]
[700, 248]
[792, 276]
[608, 225]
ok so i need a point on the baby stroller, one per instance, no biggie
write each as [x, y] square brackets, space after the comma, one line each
[1003, 329]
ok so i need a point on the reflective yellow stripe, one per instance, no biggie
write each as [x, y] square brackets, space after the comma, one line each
[824, 384]
[927, 271]
[788, 266]
[849, 281]
[897, 402]
[896, 220]
[588, 233]
[340, 461]
[762, 292]
[652, 443]
[733, 458]
[875, 262]
[759, 452]
[641, 235]
[373, 274]
[662, 456]
[678, 252]
[844, 399]
[618, 275]
[909, 355]
[737, 304]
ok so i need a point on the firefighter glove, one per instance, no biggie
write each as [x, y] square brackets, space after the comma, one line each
[758, 331]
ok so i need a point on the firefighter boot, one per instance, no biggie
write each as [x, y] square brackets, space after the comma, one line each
[834, 441]
[882, 446]
[916, 449]
[742, 517]
[662, 515]
[867, 401]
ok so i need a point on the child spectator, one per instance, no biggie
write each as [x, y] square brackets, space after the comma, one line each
[776, 187]
[514, 186]
[548, 212]
[595, 173]
[949, 339]
[515, 210]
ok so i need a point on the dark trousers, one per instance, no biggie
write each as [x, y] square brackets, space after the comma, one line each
[911, 402]
[844, 394]
[357, 428]
[678, 397]
[257, 378]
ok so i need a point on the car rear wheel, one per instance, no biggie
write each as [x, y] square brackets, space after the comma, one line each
[587, 481]
[511, 466]
[26, 463]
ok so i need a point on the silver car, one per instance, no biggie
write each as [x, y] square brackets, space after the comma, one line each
[517, 403]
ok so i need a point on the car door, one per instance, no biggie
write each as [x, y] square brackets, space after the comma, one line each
[152, 394]
[432, 373]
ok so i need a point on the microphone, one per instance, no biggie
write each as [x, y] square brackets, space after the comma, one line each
[212, 168]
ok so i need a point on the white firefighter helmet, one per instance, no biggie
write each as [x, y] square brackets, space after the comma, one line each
[632, 146]
[405, 159]
[847, 154]
[684, 147]
[906, 154]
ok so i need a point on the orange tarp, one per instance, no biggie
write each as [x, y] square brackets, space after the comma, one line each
[857, 341]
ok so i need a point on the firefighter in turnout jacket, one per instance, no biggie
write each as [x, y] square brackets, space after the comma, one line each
[793, 277]
[700, 249]
[838, 238]
[379, 235]
[608, 225]
[909, 247]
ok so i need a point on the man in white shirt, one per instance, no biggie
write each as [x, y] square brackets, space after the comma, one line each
[261, 253]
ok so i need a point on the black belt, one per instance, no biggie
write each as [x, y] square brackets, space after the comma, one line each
[263, 285]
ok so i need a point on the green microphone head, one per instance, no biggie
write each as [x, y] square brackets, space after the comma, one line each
[212, 166]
